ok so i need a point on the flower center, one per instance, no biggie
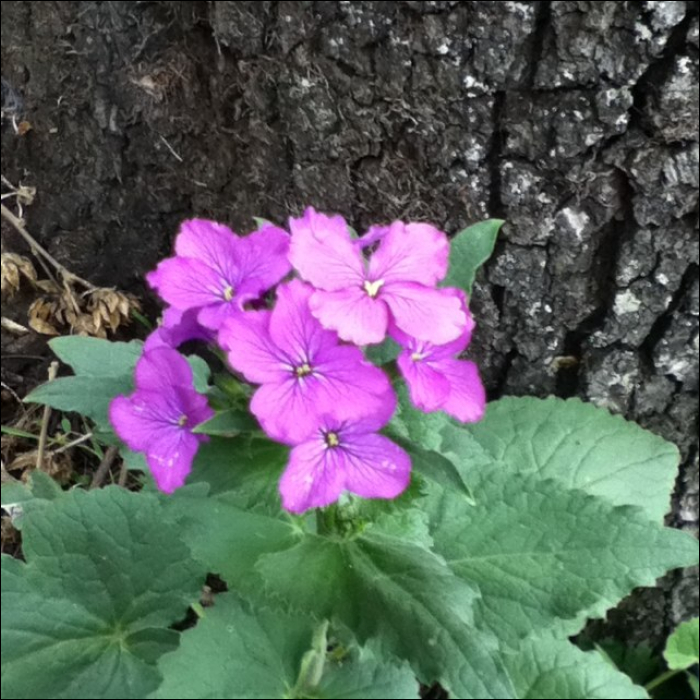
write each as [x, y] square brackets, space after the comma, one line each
[418, 356]
[228, 292]
[332, 439]
[303, 370]
[182, 420]
[372, 288]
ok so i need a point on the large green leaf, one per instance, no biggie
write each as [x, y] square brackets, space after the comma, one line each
[581, 446]
[19, 498]
[87, 616]
[682, 646]
[247, 468]
[235, 653]
[469, 250]
[89, 396]
[94, 357]
[103, 370]
[554, 668]
[546, 557]
[381, 585]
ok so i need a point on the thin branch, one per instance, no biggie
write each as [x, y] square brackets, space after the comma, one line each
[73, 443]
[41, 449]
[105, 466]
[38, 249]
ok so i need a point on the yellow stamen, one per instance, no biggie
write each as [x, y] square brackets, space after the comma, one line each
[418, 356]
[182, 420]
[332, 440]
[372, 288]
[303, 370]
[228, 293]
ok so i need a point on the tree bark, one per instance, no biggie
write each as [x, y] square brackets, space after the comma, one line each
[577, 122]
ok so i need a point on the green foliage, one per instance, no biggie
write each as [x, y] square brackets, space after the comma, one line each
[87, 616]
[554, 668]
[514, 532]
[238, 652]
[469, 250]
[682, 646]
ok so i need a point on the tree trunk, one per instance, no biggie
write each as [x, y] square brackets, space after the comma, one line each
[577, 122]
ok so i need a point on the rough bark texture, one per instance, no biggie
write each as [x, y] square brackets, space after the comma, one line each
[575, 121]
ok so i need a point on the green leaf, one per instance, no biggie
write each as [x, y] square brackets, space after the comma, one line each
[103, 369]
[236, 653]
[227, 537]
[247, 468]
[435, 467]
[19, 499]
[228, 423]
[554, 668]
[94, 357]
[200, 372]
[545, 557]
[87, 615]
[363, 675]
[694, 683]
[469, 250]
[682, 646]
[581, 446]
[89, 396]
[382, 586]
[383, 353]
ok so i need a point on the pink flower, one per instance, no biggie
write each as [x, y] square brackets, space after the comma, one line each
[303, 371]
[437, 380]
[343, 456]
[177, 328]
[358, 300]
[215, 271]
[159, 416]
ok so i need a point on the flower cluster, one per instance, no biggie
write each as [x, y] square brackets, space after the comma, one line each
[316, 391]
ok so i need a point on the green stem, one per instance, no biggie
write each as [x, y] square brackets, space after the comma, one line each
[661, 679]
[327, 520]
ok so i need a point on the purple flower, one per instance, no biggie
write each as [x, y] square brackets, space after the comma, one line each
[216, 272]
[177, 328]
[303, 370]
[437, 380]
[158, 417]
[345, 456]
[358, 300]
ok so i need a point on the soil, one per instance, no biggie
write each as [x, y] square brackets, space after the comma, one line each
[577, 122]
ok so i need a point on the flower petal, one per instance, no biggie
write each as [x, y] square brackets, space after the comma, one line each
[467, 397]
[357, 317]
[170, 467]
[213, 244]
[427, 387]
[177, 328]
[265, 257]
[213, 316]
[186, 283]
[455, 347]
[161, 369]
[374, 235]
[246, 339]
[374, 466]
[350, 388]
[146, 420]
[427, 314]
[313, 478]
[287, 410]
[293, 328]
[323, 253]
[412, 252]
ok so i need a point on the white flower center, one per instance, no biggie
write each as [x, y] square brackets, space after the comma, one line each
[372, 288]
